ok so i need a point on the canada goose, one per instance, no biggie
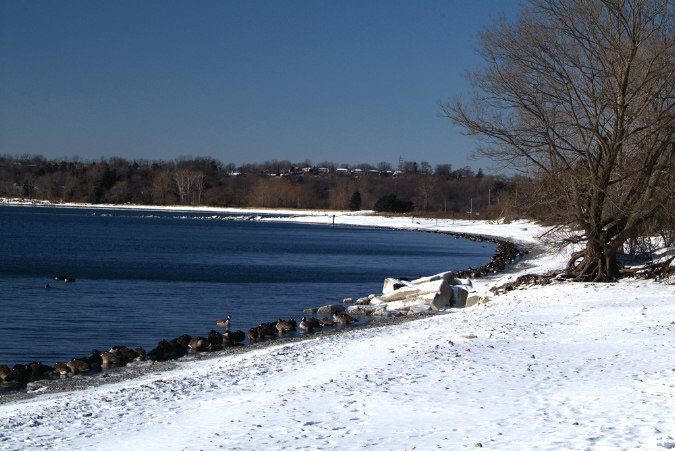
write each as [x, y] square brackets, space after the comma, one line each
[214, 338]
[69, 279]
[180, 346]
[284, 326]
[198, 344]
[4, 372]
[227, 338]
[95, 359]
[308, 325]
[78, 366]
[163, 351]
[39, 371]
[57, 277]
[47, 286]
[268, 330]
[112, 358]
[238, 336]
[61, 368]
[224, 323]
[123, 351]
[344, 319]
[327, 322]
[20, 373]
[253, 335]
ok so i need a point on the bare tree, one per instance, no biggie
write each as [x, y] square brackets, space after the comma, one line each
[582, 93]
[181, 178]
[384, 166]
[426, 184]
[199, 185]
[161, 185]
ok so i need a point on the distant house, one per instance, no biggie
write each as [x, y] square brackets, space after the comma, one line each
[357, 172]
[324, 170]
[373, 172]
[342, 171]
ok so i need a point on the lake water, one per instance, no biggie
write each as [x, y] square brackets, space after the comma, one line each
[146, 276]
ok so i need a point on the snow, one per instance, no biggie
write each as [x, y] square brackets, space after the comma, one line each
[562, 366]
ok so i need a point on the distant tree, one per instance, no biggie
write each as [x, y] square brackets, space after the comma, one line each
[425, 168]
[161, 187]
[426, 185]
[392, 204]
[230, 168]
[462, 173]
[383, 166]
[355, 201]
[410, 167]
[443, 169]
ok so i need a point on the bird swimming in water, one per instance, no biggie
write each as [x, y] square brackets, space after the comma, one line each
[224, 323]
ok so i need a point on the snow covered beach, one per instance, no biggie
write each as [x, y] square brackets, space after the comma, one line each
[563, 366]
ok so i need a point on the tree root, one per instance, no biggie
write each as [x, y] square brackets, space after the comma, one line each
[651, 271]
[527, 279]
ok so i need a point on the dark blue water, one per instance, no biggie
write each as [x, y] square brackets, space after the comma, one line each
[145, 276]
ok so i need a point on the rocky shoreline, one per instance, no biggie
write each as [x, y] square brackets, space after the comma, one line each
[506, 254]
[136, 369]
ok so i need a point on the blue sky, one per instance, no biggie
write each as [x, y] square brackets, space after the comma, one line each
[353, 81]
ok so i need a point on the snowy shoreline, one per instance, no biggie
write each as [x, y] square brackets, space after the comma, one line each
[562, 366]
[134, 369]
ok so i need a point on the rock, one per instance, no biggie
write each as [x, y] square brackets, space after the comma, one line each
[460, 294]
[376, 301]
[477, 300]
[362, 301]
[448, 276]
[463, 282]
[347, 301]
[437, 286]
[439, 301]
[310, 311]
[420, 308]
[391, 284]
[367, 310]
[330, 309]
[383, 312]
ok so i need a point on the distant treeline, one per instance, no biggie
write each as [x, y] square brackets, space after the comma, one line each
[272, 184]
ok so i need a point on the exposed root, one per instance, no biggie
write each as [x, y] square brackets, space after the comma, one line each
[527, 279]
[652, 271]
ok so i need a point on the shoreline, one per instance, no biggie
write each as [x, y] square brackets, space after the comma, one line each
[134, 370]
[562, 365]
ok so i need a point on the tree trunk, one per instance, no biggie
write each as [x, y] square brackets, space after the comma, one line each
[596, 263]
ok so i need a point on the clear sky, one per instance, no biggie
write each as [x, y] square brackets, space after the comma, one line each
[351, 81]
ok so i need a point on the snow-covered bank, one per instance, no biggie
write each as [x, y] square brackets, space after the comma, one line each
[564, 366]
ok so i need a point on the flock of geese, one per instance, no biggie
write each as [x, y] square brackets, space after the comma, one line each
[21, 374]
